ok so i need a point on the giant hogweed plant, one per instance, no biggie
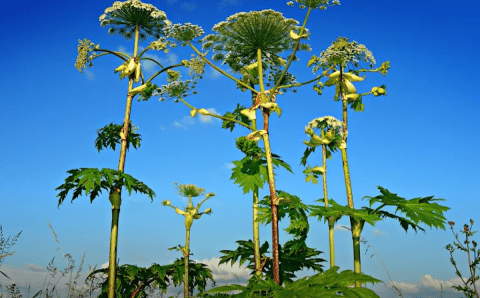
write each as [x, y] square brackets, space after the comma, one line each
[341, 56]
[254, 40]
[130, 19]
[190, 213]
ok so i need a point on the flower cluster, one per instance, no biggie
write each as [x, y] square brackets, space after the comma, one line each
[331, 132]
[189, 190]
[183, 33]
[175, 89]
[158, 45]
[239, 37]
[84, 47]
[196, 66]
[132, 13]
[314, 4]
[342, 52]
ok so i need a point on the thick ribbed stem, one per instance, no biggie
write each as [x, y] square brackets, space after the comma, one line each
[271, 179]
[325, 198]
[256, 224]
[355, 226]
[186, 288]
[121, 167]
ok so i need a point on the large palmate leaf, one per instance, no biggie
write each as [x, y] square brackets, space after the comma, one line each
[251, 171]
[132, 281]
[92, 181]
[325, 284]
[295, 255]
[109, 136]
[416, 210]
[290, 205]
[336, 211]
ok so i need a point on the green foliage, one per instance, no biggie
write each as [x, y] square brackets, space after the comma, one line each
[251, 171]
[290, 205]
[416, 210]
[91, 181]
[326, 284]
[131, 278]
[294, 256]
[336, 211]
[109, 136]
[469, 293]
[236, 115]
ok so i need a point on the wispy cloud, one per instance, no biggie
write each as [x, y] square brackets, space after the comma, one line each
[184, 123]
[90, 75]
[229, 165]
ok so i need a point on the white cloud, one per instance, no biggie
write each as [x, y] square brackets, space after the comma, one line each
[209, 119]
[377, 232]
[34, 267]
[227, 273]
[229, 165]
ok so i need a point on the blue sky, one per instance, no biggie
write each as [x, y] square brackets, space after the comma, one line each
[418, 141]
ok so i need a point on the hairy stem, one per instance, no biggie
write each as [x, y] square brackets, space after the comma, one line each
[186, 288]
[121, 167]
[325, 198]
[356, 225]
[256, 224]
[271, 178]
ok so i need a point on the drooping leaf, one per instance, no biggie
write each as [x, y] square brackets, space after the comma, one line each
[337, 211]
[91, 181]
[290, 205]
[416, 210]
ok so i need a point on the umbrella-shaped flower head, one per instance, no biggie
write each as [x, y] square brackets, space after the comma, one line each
[189, 190]
[123, 17]
[342, 52]
[330, 133]
[314, 4]
[237, 39]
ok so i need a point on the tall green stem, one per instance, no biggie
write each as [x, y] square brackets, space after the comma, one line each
[186, 255]
[121, 166]
[355, 225]
[271, 178]
[256, 224]
[325, 198]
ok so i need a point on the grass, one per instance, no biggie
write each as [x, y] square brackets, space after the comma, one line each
[92, 287]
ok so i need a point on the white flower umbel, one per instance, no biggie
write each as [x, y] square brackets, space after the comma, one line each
[123, 17]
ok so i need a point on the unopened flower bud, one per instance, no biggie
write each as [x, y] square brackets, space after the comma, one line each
[208, 211]
[193, 113]
[210, 194]
[203, 112]
[166, 203]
